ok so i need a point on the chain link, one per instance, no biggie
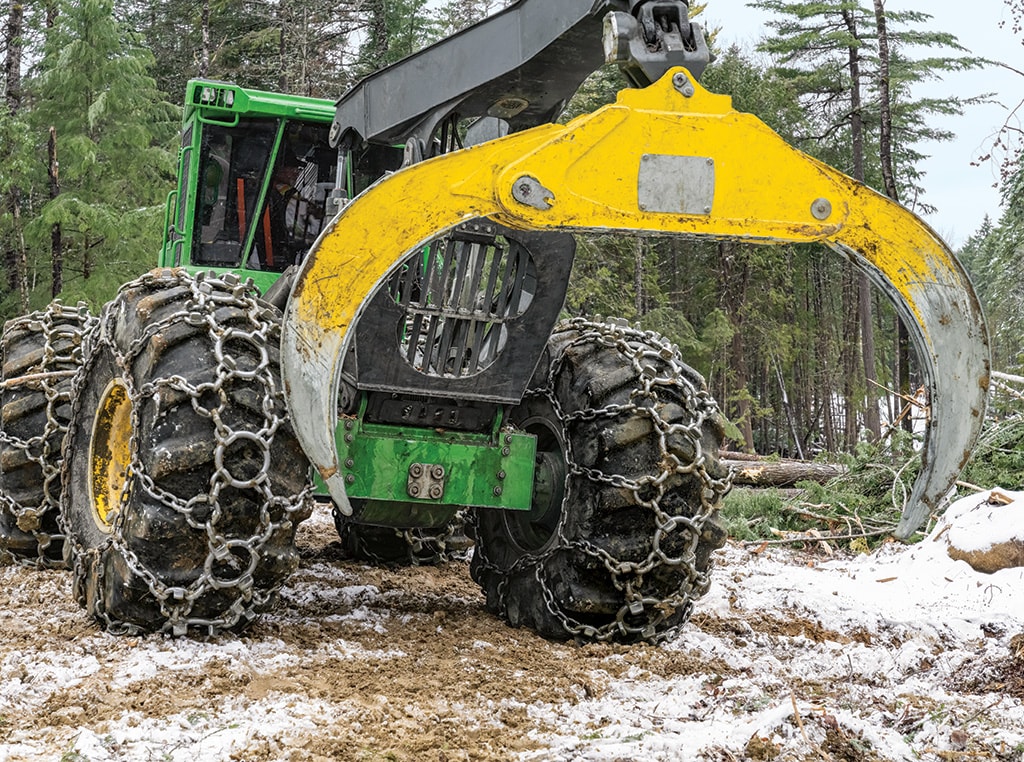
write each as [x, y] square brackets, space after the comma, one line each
[59, 330]
[419, 545]
[641, 613]
[440, 544]
[232, 554]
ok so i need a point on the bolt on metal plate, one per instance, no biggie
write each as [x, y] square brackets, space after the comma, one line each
[821, 209]
[426, 481]
[682, 83]
[529, 192]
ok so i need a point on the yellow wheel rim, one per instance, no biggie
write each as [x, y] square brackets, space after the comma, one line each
[110, 453]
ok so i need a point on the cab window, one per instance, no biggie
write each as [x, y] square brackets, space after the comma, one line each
[295, 207]
[232, 171]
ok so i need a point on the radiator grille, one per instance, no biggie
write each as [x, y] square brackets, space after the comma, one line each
[457, 296]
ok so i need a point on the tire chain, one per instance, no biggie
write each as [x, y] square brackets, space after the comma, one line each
[209, 294]
[628, 576]
[427, 546]
[443, 543]
[51, 377]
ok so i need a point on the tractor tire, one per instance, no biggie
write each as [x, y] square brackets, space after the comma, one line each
[39, 356]
[617, 545]
[183, 481]
[391, 546]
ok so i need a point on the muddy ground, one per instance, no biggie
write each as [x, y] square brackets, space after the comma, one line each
[781, 661]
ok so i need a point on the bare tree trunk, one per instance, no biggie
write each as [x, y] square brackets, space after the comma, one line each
[15, 254]
[856, 113]
[204, 56]
[282, 46]
[753, 470]
[848, 354]
[903, 367]
[378, 32]
[743, 411]
[865, 312]
[734, 277]
[56, 239]
[872, 421]
[885, 104]
[872, 415]
[12, 61]
[20, 255]
[823, 383]
[787, 408]
[639, 295]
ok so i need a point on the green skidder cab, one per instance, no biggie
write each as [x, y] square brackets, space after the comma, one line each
[255, 178]
[359, 302]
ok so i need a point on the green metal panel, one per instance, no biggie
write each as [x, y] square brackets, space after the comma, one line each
[222, 102]
[261, 278]
[380, 463]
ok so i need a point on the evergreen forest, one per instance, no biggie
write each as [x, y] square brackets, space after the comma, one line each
[803, 355]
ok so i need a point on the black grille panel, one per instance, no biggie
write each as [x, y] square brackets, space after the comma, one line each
[457, 297]
[466, 317]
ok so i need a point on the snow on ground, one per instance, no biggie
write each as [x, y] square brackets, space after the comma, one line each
[887, 641]
[903, 654]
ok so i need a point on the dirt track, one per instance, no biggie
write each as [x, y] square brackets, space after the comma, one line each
[370, 664]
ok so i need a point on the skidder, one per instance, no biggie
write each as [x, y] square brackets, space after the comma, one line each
[376, 286]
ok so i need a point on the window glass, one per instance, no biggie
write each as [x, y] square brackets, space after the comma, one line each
[232, 170]
[372, 162]
[295, 208]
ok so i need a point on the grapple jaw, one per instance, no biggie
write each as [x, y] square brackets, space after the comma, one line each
[943, 316]
[671, 158]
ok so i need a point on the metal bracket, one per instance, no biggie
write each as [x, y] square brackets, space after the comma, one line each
[426, 481]
[657, 38]
[528, 190]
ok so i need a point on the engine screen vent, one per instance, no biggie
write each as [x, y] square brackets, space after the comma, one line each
[457, 297]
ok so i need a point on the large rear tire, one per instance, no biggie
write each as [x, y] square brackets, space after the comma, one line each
[39, 356]
[617, 545]
[183, 482]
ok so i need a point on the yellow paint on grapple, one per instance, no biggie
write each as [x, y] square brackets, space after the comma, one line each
[590, 175]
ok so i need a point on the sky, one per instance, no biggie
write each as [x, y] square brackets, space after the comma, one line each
[962, 194]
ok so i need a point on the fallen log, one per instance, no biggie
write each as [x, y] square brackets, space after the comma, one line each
[762, 472]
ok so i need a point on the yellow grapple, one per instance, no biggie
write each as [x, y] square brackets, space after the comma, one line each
[668, 159]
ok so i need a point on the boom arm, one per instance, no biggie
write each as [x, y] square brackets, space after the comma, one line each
[521, 65]
[668, 159]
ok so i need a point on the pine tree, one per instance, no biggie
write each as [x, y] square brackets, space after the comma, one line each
[754, 312]
[820, 49]
[317, 44]
[848, 63]
[1008, 146]
[395, 29]
[13, 150]
[458, 14]
[995, 253]
[112, 130]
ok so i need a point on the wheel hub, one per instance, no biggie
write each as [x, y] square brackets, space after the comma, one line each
[533, 530]
[110, 453]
